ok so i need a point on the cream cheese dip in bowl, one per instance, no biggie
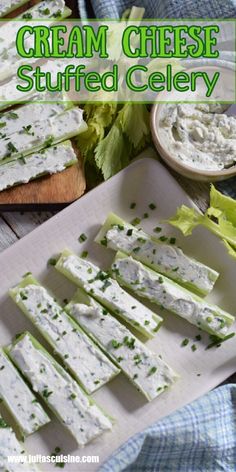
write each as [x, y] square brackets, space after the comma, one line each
[198, 140]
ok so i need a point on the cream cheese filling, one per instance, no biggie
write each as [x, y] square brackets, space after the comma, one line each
[201, 136]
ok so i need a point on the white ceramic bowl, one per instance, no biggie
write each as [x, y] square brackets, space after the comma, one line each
[174, 163]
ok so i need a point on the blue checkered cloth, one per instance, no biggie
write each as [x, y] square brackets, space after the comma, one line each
[166, 9]
[201, 437]
[160, 8]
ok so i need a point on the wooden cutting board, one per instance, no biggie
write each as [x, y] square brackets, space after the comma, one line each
[51, 192]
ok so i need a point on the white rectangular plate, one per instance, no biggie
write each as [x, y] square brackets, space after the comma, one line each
[145, 181]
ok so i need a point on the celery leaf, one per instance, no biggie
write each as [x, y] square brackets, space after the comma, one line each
[112, 152]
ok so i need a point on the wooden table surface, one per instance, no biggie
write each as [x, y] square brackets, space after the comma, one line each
[15, 225]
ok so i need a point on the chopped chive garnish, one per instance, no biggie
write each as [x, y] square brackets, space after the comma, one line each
[172, 240]
[48, 142]
[12, 115]
[141, 240]
[115, 344]
[163, 238]
[152, 371]
[52, 261]
[11, 148]
[184, 342]
[157, 229]
[145, 215]
[84, 254]
[27, 16]
[57, 14]
[104, 241]
[120, 358]
[45, 11]
[129, 342]
[198, 337]
[135, 221]
[217, 341]
[46, 393]
[82, 238]
[152, 206]
[132, 205]
[136, 249]
[194, 347]
[129, 232]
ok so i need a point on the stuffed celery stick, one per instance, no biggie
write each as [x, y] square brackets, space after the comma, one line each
[50, 161]
[107, 291]
[167, 259]
[42, 134]
[166, 293]
[52, 10]
[22, 118]
[10, 446]
[19, 400]
[74, 409]
[7, 6]
[146, 370]
[80, 355]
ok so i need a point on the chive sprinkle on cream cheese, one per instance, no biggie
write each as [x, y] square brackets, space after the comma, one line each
[166, 293]
[89, 365]
[166, 258]
[75, 410]
[199, 135]
[144, 368]
[107, 291]
[18, 398]
[10, 446]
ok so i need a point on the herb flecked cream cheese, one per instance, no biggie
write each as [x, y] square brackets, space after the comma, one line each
[18, 398]
[49, 161]
[42, 134]
[162, 257]
[107, 291]
[201, 136]
[10, 446]
[79, 354]
[144, 368]
[6, 6]
[166, 293]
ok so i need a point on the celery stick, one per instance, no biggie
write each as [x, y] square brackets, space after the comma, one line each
[10, 5]
[42, 135]
[74, 409]
[166, 293]
[162, 257]
[107, 291]
[52, 160]
[144, 368]
[10, 446]
[80, 355]
[19, 400]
